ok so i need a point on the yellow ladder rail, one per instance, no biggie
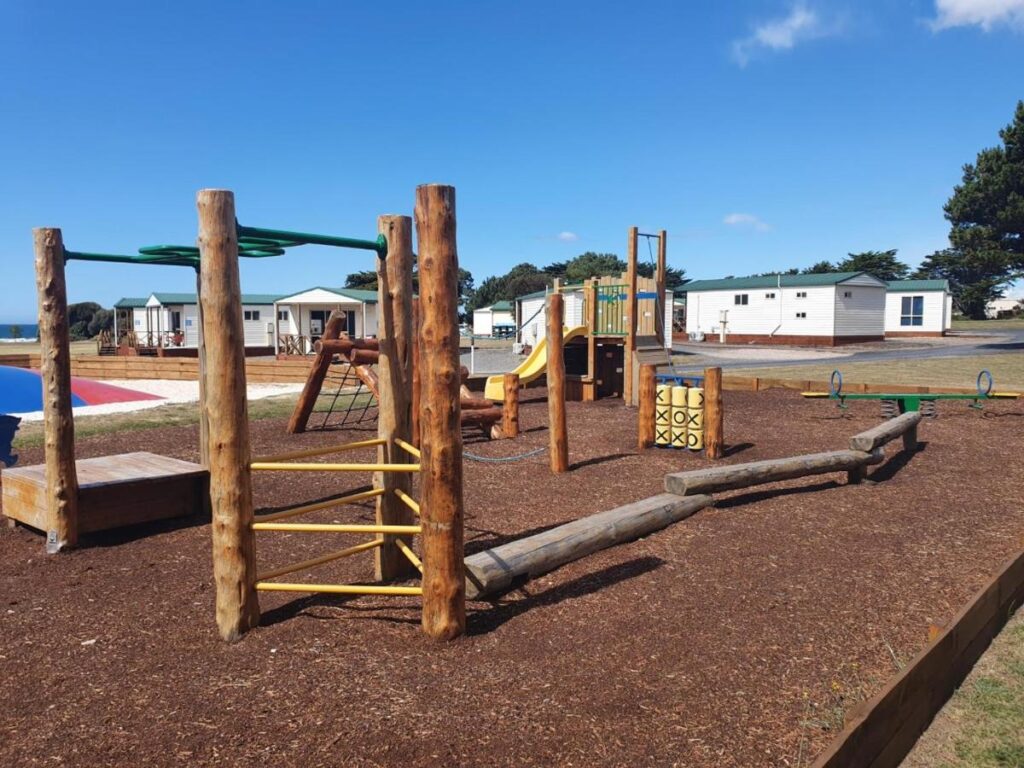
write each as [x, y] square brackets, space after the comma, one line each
[266, 466]
[410, 502]
[293, 511]
[315, 561]
[301, 454]
[336, 528]
[409, 448]
[337, 589]
[407, 551]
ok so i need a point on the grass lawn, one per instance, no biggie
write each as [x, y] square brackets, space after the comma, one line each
[30, 434]
[1006, 369]
[32, 348]
[982, 726]
[1015, 324]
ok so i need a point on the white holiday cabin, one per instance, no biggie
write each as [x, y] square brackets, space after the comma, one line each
[819, 310]
[918, 308]
[496, 320]
[302, 317]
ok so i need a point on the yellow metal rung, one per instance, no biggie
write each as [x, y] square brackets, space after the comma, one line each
[286, 513]
[270, 466]
[315, 561]
[409, 448]
[815, 394]
[337, 589]
[410, 502]
[319, 451]
[336, 528]
[407, 551]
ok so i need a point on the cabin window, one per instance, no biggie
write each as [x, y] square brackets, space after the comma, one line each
[282, 314]
[801, 314]
[741, 299]
[912, 310]
[847, 294]
[251, 314]
[801, 294]
[769, 295]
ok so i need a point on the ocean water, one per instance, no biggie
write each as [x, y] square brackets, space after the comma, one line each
[29, 332]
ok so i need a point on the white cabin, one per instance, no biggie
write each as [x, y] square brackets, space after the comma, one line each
[302, 317]
[918, 308]
[495, 320]
[817, 309]
[171, 320]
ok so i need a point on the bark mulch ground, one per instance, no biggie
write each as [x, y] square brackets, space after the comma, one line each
[738, 637]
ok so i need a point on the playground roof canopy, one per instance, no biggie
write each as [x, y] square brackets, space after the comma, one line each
[774, 281]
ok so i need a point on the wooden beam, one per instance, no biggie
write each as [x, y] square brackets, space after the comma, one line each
[444, 584]
[628, 391]
[234, 567]
[886, 727]
[887, 431]
[559, 436]
[416, 365]
[55, 371]
[768, 471]
[498, 569]
[714, 441]
[394, 331]
[204, 419]
[645, 415]
[510, 405]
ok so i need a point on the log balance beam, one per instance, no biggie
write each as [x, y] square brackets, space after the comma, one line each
[509, 565]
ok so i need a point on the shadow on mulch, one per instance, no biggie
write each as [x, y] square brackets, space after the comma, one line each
[116, 537]
[732, 450]
[888, 470]
[481, 622]
[599, 460]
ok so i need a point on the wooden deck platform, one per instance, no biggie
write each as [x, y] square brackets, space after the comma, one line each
[113, 491]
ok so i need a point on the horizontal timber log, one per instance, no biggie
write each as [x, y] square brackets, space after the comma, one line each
[495, 570]
[343, 346]
[769, 471]
[481, 417]
[886, 431]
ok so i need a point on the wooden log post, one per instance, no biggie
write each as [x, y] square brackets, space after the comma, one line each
[204, 419]
[660, 281]
[394, 332]
[510, 406]
[559, 436]
[441, 504]
[234, 568]
[887, 431]
[55, 371]
[628, 390]
[416, 365]
[735, 476]
[645, 415]
[714, 441]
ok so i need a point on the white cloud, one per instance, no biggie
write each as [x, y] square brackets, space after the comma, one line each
[982, 13]
[746, 221]
[782, 34]
[568, 237]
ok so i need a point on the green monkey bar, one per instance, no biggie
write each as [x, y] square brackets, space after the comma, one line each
[253, 243]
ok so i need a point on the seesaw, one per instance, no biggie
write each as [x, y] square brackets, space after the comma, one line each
[911, 401]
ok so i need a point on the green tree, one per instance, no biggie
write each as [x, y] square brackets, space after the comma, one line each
[820, 268]
[975, 277]
[591, 264]
[986, 210]
[881, 264]
[16, 331]
[79, 317]
[102, 320]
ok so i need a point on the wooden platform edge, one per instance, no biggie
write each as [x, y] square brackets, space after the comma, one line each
[498, 569]
[883, 732]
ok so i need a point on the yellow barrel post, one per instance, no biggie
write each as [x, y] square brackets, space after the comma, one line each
[695, 419]
[679, 417]
[663, 416]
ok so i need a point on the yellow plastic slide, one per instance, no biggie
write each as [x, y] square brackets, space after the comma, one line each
[532, 367]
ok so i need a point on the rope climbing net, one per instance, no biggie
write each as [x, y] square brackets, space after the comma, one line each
[345, 400]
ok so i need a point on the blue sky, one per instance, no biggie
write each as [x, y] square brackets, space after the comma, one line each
[762, 135]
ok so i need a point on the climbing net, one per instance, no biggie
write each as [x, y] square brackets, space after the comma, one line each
[344, 399]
